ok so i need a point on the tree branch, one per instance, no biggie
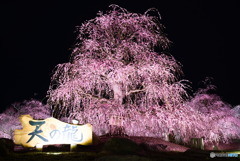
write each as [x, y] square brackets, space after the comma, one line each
[92, 96]
[135, 91]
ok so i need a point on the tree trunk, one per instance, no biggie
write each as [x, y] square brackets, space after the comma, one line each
[118, 92]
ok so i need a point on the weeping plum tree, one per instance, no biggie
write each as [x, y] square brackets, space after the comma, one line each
[119, 67]
[115, 62]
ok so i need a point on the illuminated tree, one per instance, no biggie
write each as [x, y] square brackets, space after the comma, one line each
[119, 67]
[212, 119]
[118, 59]
[9, 119]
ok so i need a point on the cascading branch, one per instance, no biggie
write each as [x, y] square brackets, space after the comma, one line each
[114, 61]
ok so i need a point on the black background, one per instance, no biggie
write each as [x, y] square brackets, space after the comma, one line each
[36, 36]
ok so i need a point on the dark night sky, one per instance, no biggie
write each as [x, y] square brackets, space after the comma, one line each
[35, 37]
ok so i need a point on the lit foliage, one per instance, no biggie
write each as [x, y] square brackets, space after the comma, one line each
[9, 119]
[205, 115]
[115, 62]
[118, 67]
[211, 118]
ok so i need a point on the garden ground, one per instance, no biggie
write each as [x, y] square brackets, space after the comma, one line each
[117, 149]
